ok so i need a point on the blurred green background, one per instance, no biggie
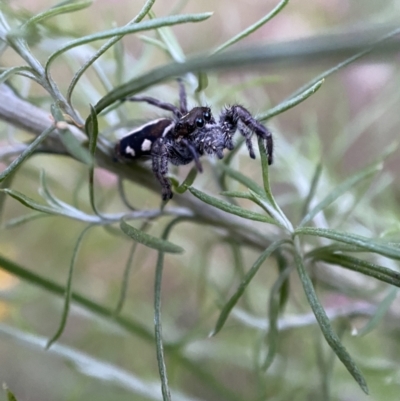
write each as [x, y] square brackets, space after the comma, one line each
[347, 124]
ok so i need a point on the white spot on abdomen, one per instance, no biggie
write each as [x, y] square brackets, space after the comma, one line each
[129, 151]
[146, 145]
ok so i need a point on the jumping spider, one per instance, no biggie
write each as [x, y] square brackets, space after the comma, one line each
[188, 135]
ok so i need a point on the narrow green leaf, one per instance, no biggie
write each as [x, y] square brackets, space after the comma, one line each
[153, 41]
[45, 192]
[254, 27]
[342, 188]
[68, 291]
[52, 12]
[6, 183]
[140, 26]
[323, 321]
[118, 56]
[265, 173]
[71, 143]
[127, 272]
[63, 210]
[93, 131]
[229, 208]
[321, 251]
[8, 73]
[273, 315]
[29, 202]
[226, 310]
[247, 182]
[189, 180]
[272, 210]
[157, 313]
[313, 187]
[26, 153]
[352, 239]
[202, 80]
[283, 264]
[26, 218]
[143, 12]
[362, 266]
[290, 103]
[170, 41]
[148, 240]
[380, 313]
[270, 203]
[236, 194]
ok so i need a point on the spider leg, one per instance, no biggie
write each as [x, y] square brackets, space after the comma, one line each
[247, 133]
[182, 97]
[248, 125]
[159, 155]
[194, 153]
[157, 103]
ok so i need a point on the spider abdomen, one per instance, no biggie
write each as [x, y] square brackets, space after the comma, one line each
[139, 142]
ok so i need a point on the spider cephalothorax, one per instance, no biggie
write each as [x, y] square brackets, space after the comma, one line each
[188, 135]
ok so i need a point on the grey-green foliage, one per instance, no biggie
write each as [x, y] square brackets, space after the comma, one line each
[303, 244]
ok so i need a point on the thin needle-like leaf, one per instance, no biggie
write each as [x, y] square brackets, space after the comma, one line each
[52, 12]
[169, 40]
[369, 244]
[188, 181]
[92, 131]
[229, 208]
[26, 153]
[380, 313]
[68, 291]
[140, 26]
[326, 328]
[127, 271]
[226, 310]
[290, 103]
[313, 187]
[157, 314]
[15, 71]
[243, 179]
[340, 190]
[362, 266]
[271, 204]
[149, 240]
[254, 27]
[273, 314]
[146, 8]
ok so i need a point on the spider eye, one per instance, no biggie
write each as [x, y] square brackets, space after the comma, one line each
[199, 122]
[207, 115]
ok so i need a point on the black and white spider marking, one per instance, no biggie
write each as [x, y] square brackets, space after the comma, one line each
[188, 135]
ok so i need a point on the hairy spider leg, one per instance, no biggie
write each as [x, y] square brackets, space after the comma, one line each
[247, 125]
[159, 157]
[247, 133]
[157, 103]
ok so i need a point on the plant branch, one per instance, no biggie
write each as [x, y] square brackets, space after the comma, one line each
[35, 120]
